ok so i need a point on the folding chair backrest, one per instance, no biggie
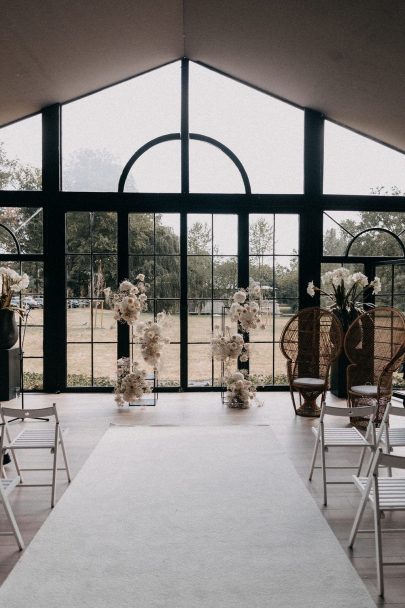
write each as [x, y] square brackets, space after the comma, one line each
[395, 410]
[362, 410]
[43, 412]
[391, 461]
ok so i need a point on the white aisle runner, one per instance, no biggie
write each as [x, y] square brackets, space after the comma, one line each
[185, 517]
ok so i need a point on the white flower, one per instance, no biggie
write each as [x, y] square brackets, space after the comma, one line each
[360, 278]
[125, 286]
[327, 277]
[339, 275]
[240, 297]
[311, 289]
[376, 284]
[140, 277]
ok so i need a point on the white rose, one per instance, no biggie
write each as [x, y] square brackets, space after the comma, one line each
[240, 297]
[311, 289]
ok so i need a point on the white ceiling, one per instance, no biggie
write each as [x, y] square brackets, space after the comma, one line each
[342, 58]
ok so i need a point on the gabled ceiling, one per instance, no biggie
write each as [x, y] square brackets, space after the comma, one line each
[345, 59]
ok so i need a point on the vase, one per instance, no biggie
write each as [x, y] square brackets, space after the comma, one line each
[8, 328]
[338, 368]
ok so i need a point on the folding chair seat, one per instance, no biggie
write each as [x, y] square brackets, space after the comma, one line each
[6, 487]
[383, 494]
[326, 437]
[31, 438]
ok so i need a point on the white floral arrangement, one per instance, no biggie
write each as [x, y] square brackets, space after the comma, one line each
[153, 340]
[129, 301]
[229, 347]
[245, 308]
[131, 383]
[343, 288]
[241, 390]
[11, 282]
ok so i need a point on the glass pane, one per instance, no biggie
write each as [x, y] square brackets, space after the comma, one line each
[261, 234]
[199, 365]
[104, 274]
[169, 374]
[225, 276]
[375, 243]
[286, 234]
[157, 170]
[102, 131]
[286, 277]
[33, 342]
[261, 271]
[78, 232]
[142, 264]
[35, 271]
[261, 361]
[199, 320]
[267, 135]
[212, 171]
[141, 233]
[357, 165]
[199, 236]
[199, 273]
[104, 231]
[225, 234]
[104, 324]
[167, 276]
[36, 316]
[78, 276]
[340, 228]
[78, 322]
[280, 369]
[33, 374]
[79, 364]
[105, 364]
[21, 155]
[167, 233]
[172, 309]
[26, 223]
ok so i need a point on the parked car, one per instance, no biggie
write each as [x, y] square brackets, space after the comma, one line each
[30, 301]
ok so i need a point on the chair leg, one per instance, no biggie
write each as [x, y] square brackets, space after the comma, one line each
[363, 452]
[378, 539]
[55, 456]
[17, 466]
[315, 452]
[323, 461]
[62, 445]
[13, 523]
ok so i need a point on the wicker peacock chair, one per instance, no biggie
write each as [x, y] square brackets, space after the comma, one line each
[310, 342]
[375, 347]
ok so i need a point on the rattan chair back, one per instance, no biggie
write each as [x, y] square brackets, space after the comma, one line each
[375, 347]
[311, 341]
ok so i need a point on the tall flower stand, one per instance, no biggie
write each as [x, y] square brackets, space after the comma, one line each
[153, 379]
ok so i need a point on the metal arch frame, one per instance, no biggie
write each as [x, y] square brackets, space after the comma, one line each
[395, 236]
[13, 236]
[177, 137]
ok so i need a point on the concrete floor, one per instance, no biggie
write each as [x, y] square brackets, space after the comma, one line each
[86, 417]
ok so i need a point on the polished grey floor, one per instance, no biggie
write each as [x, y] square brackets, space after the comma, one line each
[88, 416]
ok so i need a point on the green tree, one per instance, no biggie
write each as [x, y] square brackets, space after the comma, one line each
[15, 175]
[261, 238]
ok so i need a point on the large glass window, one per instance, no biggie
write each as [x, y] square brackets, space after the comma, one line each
[266, 135]
[21, 155]
[273, 249]
[357, 165]
[91, 267]
[102, 131]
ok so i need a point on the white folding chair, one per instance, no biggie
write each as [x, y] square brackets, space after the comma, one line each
[342, 437]
[384, 494]
[389, 437]
[6, 487]
[30, 438]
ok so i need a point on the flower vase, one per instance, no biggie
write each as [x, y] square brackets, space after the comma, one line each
[8, 328]
[338, 384]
